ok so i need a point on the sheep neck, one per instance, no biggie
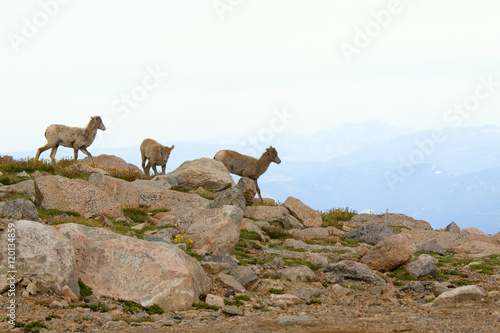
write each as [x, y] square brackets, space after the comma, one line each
[263, 163]
[91, 130]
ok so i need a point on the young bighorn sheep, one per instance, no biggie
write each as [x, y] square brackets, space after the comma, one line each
[72, 137]
[156, 154]
[247, 166]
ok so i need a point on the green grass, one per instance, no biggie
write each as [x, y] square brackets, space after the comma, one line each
[314, 301]
[34, 326]
[98, 307]
[453, 272]
[51, 213]
[239, 249]
[154, 309]
[276, 232]
[301, 262]
[401, 273]
[355, 287]
[462, 282]
[399, 228]
[13, 195]
[336, 217]
[483, 268]
[84, 289]
[276, 291]
[137, 215]
[242, 297]
[205, 306]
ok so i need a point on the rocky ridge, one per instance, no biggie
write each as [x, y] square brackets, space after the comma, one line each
[210, 260]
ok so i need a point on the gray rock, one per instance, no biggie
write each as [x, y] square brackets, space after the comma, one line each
[23, 174]
[247, 187]
[418, 288]
[372, 233]
[453, 227]
[346, 269]
[165, 235]
[276, 263]
[214, 268]
[289, 222]
[203, 172]
[221, 258]
[309, 293]
[291, 320]
[230, 283]
[300, 273]
[421, 266]
[231, 196]
[388, 219]
[43, 254]
[19, 209]
[215, 230]
[376, 290]
[461, 294]
[77, 195]
[233, 311]
[390, 253]
[431, 246]
[155, 273]
[244, 275]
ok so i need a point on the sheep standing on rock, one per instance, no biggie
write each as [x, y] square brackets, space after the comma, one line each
[247, 166]
[156, 154]
[72, 137]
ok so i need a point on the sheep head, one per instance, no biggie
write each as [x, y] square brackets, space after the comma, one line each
[98, 123]
[165, 153]
[273, 155]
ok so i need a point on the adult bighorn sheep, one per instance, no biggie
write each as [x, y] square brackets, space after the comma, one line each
[247, 166]
[156, 154]
[72, 137]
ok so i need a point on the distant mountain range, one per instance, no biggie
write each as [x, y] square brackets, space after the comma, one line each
[440, 177]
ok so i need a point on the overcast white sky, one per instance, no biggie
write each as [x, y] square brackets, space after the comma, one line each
[232, 64]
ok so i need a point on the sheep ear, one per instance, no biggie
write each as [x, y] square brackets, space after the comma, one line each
[173, 146]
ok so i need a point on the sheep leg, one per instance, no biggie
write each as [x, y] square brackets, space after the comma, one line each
[163, 167]
[41, 150]
[154, 168]
[53, 154]
[147, 167]
[143, 158]
[258, 190]
[86, 152]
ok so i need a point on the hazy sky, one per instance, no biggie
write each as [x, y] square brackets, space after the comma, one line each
[200, 70]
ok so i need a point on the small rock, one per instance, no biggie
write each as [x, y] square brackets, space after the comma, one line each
[23, 174]
[140, 226]
[214, 268]
[418, 288]
[244, 275]
[423, 265]
[461, 294]
[289, 299]
[56, 305]
[214, 300]
[104, 221]
[376, 290]
[230, 282]
[31, 288]
[66, 291]
[453, 227]
[233, 311]
[289, 320]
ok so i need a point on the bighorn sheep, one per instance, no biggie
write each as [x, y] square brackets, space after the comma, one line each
[72, 137]
[247, 166]
[156, 154]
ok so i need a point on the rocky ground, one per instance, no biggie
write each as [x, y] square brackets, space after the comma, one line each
[87, 265]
